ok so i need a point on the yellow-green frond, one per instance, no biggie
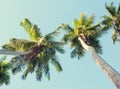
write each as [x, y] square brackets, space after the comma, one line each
[75, 23]
[31, 29]
[89, 20]
[81, 19]
[19, 45]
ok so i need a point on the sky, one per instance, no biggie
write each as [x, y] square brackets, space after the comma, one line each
[48, 14]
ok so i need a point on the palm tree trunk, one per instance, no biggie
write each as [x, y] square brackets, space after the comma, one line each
[109, 71]
[6, 52]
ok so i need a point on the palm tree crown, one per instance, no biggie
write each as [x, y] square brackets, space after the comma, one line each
[85, 28]
[113, 20]
[40, 51]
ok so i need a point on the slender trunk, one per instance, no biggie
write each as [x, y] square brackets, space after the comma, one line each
[109, 71]
[6, 52]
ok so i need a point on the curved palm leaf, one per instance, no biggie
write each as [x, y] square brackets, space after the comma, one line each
[19, 45]
[57, 65]
[111, 9]
[31, 29]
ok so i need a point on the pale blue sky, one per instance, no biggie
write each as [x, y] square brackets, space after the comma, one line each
[48, 14]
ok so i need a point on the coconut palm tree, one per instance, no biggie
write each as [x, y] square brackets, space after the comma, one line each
[113, 21]
[84, 36]
[35, 54]
[4, 71]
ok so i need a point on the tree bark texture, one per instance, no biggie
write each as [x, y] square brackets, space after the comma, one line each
[107, 69]
[6, 52]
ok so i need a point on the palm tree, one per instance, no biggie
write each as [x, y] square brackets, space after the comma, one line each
[4, 71]
[35, 54]
[84, 36]
[113, 21]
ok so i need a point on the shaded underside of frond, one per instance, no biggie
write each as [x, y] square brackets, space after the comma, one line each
[39, 63]
[56, 64]
[58, 46]
[96, 44]
[4, 78]
[78, 51]
[107, 22]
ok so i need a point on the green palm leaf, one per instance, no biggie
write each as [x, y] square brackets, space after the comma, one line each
[31, 29]
[46, 71]
[56, 64]
[19, 45]
[111, 9]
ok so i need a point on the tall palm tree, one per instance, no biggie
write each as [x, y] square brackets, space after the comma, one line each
[4, 71]
[113, 21]
[84, 36]
[35, 54]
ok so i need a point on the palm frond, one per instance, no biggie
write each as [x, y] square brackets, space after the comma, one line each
[4, 74]
[58, 46]
[77, 52]
[39, 71]
[95, 31]
[75, 23]
[17, 63]
[31, 29]
[96, 44]
[49, 37]
[107, 22]
[56, 64]
[93, 27]
[111, 9]
[5, 79]
[5, 64]
[89, 20]
[115, 36]
[30, 68]
[65, 27]
[46, 71]
[26, 73]
[75, 43]
[65, 38]
[82, 19]
[54, 33]
[8, 47]
[19, 45]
